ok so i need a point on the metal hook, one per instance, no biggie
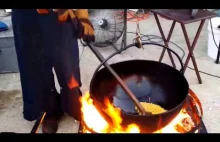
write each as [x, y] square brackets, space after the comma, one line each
[137, 40]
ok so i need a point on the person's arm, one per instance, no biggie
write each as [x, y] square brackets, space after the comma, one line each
[88, 31]
[79, 18]
[63, 15]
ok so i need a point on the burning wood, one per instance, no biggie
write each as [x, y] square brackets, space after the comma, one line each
[187, 125]
[95, 121]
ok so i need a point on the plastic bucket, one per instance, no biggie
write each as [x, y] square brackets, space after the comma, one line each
[212, 49]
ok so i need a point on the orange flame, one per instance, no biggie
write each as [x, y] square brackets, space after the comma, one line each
[73, 83]
[97, 123]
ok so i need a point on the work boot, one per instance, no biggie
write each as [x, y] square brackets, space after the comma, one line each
[51, 120]
[50, 124]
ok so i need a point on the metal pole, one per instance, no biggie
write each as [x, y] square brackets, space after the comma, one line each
[218, 55]
[37, 123]
[124, 38]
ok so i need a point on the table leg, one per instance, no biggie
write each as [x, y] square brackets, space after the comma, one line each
[165, 40]
[191, 48]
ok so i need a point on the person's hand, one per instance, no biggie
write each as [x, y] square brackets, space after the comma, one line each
[85, 27]
[64, 14]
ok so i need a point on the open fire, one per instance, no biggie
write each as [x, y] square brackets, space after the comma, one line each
[96, 122]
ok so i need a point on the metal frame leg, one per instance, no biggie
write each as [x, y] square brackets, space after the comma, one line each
[165, 40]
[80, 129]
[124, 38]
[191, 48]
[218, 54]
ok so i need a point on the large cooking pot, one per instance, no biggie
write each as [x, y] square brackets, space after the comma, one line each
[150, 81]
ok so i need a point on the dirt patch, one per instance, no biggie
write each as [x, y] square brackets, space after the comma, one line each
[9, 99]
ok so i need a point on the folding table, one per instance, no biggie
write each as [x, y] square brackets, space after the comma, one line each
[182, 16]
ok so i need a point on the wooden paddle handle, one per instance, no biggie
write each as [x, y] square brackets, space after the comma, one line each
[128, 91]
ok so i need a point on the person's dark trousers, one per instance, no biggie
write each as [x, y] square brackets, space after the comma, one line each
[42, 43]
